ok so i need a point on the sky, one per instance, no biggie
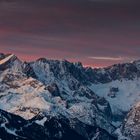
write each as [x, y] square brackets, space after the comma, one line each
[96, 32]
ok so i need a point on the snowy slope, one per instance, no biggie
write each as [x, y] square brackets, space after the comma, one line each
[124, 78]
[124, 99]
[52, 94]
[6, 59]
[13, 127]
[56, 88]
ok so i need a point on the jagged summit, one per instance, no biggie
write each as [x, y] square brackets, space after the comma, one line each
[10, 61]
[87, 98]
[7, 58]
[53, 87]
[64, 61]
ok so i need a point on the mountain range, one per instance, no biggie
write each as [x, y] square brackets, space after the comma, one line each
[59, 100]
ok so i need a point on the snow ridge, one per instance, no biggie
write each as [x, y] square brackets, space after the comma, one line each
[55, 88]
[6, 59]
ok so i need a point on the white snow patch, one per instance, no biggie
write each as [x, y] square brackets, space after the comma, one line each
[125, 98]
[8, 130]
[41, 122]
[96, 136]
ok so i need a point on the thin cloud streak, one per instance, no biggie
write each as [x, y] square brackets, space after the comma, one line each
[110, 58]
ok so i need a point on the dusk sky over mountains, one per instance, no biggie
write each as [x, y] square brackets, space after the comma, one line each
[95, 32]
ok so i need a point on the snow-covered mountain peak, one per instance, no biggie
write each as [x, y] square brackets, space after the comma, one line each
[9, 61]
[6, 59]
[13, 64]
[53, 86]
[59, 87]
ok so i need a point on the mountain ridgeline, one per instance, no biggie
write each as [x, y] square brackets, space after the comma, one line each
[59, 100]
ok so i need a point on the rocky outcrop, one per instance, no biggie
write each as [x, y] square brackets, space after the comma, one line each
[131, 125]
[62, 92]
[44, 127]
[54, 87]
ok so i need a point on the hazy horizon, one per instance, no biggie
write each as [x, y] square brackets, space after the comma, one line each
[71, 61]
[95, 32]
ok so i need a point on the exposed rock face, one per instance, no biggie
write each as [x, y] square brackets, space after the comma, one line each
[67, 96]
[53, 87]
[115, 83]
[14, 127]
[128, 71]
[46, 128]
[131, 126]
